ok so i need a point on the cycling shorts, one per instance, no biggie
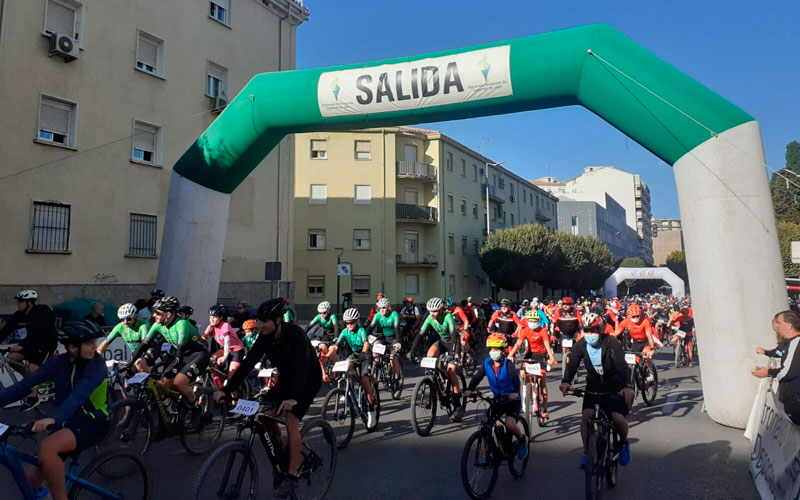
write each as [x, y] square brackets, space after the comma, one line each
[509, 408]
[236, 356]
[34, 355]
[639, 346]
[193, 365]
[304, 399]
[154, 354]
[611, 404]
[444, 346]
[88, 431]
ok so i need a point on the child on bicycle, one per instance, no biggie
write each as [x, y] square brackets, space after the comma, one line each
[229, 346]
[80, 417]
[504, 382]
[539, 350]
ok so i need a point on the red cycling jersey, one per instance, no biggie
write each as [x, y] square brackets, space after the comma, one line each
[638, 330]
[536, 339]
[506, 323]
[568, 322]
[460, 318]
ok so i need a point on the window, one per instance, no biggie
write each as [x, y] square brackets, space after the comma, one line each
[474, 173]
[220, 10]
[150, 54]
[449, 162]
[465, 284]
[512, 219]
[476, 245]
[475, 210]
[216, 80]
[319, 149]
[146, 142]
[412, 284]
[316, 239]
[451, 243]
[361, 285]
[363, 150]
[363, 195]
[463, 168]
[449, 202]
[360, 239]
[463, 206]
[501, 183]
[64, 17]
[319, 194]
[316, 286]
[50, 227]
[57, 121]
[494, 213]
[452, 285]
[142, 235]
[464, 245]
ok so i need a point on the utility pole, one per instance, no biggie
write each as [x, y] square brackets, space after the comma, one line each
[488, 164]
[340, 251]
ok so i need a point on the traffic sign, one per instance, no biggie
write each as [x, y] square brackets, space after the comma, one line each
[344, 269]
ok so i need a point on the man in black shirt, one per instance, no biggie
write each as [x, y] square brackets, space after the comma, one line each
[787, 325]
[96, 316]
[241, 315]
[39, 322]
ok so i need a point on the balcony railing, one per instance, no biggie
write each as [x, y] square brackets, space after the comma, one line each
[429, 261]
[494, 193]
[542, 217]
[415, 170]
[416, 213]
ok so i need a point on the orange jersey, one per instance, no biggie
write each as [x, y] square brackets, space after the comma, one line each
[638, 330]
[536, 339]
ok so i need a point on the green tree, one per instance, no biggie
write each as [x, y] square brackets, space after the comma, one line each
[788, 232]
[676, 262]
[602, 262]
[512, 257]
[793, 157]
[783, 187]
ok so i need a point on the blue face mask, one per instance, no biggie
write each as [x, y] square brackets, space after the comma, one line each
[593, 339]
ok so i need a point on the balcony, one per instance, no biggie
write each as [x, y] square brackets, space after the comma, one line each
[494, 193]
[416, 213]
[542, 217]
[407, 261]
[415, 170]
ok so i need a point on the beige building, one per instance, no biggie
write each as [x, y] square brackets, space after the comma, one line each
[407, 208]
[667, 238]
[99, 99]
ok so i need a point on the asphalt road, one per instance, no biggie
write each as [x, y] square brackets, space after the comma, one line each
[678, 451]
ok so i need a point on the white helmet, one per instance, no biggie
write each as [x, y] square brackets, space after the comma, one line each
[27, 295]
[351, 314]
[384, 302]
[434, 304]
[324, 307]
[126, 311]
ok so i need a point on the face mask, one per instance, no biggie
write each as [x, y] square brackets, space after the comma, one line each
[495, 355]
[533, 324]
[593, 339]
[635, 320]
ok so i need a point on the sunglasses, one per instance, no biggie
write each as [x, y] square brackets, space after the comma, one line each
[129, 318]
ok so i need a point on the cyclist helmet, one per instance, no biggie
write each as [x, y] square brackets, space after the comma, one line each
[250, 324]
[684, 310]
[384, 302]
[186, 310]
[434, 304]
[505, 302]
[241, 303]
[272, 309]
[532, 314]
[126, 311]
[593, 323]
[217, 310]
[526, 302]
[77, 332]
[324, 307]
[496, 340]
[449, 301]
[351, 314]
[634, 310]
[567, 301]
[379, 296]
[26, 295]
[157, 292]
[167, 304]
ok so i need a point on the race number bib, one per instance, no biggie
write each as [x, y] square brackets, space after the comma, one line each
[428, 363]
[372, 339]
[681, 334]
[630, 358]
[245, 407]
[379, 349]
[138, 378]
[315, 343]
[265, 373]
[341, 366]
[566, 343]
[533, 368]
[166, 347]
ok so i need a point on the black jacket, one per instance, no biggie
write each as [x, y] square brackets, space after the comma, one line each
[40, 324]
[615, 374]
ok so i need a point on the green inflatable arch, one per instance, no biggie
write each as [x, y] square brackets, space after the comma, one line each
[714, 146]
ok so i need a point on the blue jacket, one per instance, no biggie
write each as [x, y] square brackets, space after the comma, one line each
[503, 384]
[77, 388]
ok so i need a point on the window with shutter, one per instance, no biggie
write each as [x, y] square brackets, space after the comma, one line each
[319, 194]
[363, 150]
[145, 143]
[150, 54]
[216, 80]
[361, 286]
[316, 286]
[316, 239]
[319, 149]
[363, 195]
[56, 120]
[218, 10]
[142, 235]
[361, 239]
[61, 19]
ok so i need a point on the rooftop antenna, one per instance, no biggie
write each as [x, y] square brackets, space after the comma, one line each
[484, 140]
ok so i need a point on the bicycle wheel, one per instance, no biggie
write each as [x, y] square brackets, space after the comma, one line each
[338, 411]
[133, 485]
[528, 401]
[131, 429]
[423, 406]
[634, 382]
[517, 465]
[594, 467]
[479, 466]
[649, 377]
[470, 363]
[365, 406]
[200, 437]
[315, 473]
[397, 383]
[229, 472]
[611, 462]
[678, 356]
[540, 420]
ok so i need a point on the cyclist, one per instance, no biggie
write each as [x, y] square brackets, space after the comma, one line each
[539, 350]
[130, 328]
[471, 310]
[290, 352]
[442, 323]
[506, 320]
[567, 319]
[328, 323]
[80, 417]
[250, 333]
[354, 338]
[606, 371]
[374, 309]
[462, 323]
[241, 315]
[505, 384]
[640, 330]
[185, 312]
[228, 344]
[290, 316]
[409, 318]
[389, 322]
[685, 323]
[41, 338]
[523, 308]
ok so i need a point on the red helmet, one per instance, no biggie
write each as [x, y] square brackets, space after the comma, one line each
[250, 324]
[568, 301]
[634, 310]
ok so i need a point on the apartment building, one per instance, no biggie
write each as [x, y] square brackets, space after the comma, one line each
[99, 99]
[599, 216]
[407, 208]
[667, 238]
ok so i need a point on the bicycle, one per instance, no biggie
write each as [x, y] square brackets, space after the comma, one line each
[681, 356]
[90, 482]
[383, 371]
[532, 392]
[602, 449]
[422, 346]
[434, 386]
[342, 405]
[45, 391]
[644, 377]
[469, 360]
[236, 460]
[493, 444]
[117, 387]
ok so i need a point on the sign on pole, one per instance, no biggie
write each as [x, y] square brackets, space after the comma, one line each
[796, 252]
[344, 269]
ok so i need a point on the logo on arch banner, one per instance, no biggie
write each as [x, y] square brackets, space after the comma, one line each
[463, 77]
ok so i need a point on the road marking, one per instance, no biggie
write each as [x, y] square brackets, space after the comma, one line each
[667, 410]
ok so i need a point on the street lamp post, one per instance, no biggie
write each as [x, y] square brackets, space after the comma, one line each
[340, 251]
[487, 192]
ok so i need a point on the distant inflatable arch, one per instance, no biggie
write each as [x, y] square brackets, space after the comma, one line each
[644, 273]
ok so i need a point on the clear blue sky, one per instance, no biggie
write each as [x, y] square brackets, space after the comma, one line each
[744, 50]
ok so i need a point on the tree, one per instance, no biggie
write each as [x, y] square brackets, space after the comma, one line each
[788, 232]
[512, 257]
[602, 260]
[631, 262]
[676, 262]
[793, 156]
[783, 187]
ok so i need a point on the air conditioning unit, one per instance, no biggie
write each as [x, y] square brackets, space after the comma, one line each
[64, 46]
[512, 198]
[218, 103]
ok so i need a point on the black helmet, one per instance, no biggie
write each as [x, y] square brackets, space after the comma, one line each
[78, 332]
[241, 303]
[157, 292]
[271, 309]
[217, 310]
[167, 304]
[186, 310]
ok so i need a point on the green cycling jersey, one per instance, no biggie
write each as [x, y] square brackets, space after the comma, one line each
[249, 340]
[354, 339]
[445, 329]
[184, 337]
[133, 336]
[388, 324]
[326, 324]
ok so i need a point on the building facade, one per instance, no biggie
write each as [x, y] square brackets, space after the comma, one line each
[407, 208]
[667, 238]
[100, 99]
[606, 221]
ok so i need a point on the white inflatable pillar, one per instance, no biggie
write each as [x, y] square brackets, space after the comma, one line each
[734, 264]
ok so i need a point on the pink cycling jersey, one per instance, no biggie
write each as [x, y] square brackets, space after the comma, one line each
[221, 332]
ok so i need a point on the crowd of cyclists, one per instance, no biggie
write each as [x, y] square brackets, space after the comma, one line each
[164, 339]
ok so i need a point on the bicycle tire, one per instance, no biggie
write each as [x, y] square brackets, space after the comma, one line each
[395, 386]
[516, 466]
[319, 451]
[136, 481]
[649, 399]
[634, 382]
[365, 406]
[131, 428]
[336, 408]
[484, 458]
[224, 458]
[198, 441]
[593, 472]
[540, 420]
[678, 348]
[611, 463]
[423, 400]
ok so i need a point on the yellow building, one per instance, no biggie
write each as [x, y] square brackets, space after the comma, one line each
[407, 208]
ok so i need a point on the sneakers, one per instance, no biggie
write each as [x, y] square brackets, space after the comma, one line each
[370, 419]
[522, 448]
[583, 463]
[196, 419]
[29, 403]
[287, 487]
[625, 454]
[458, 414]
